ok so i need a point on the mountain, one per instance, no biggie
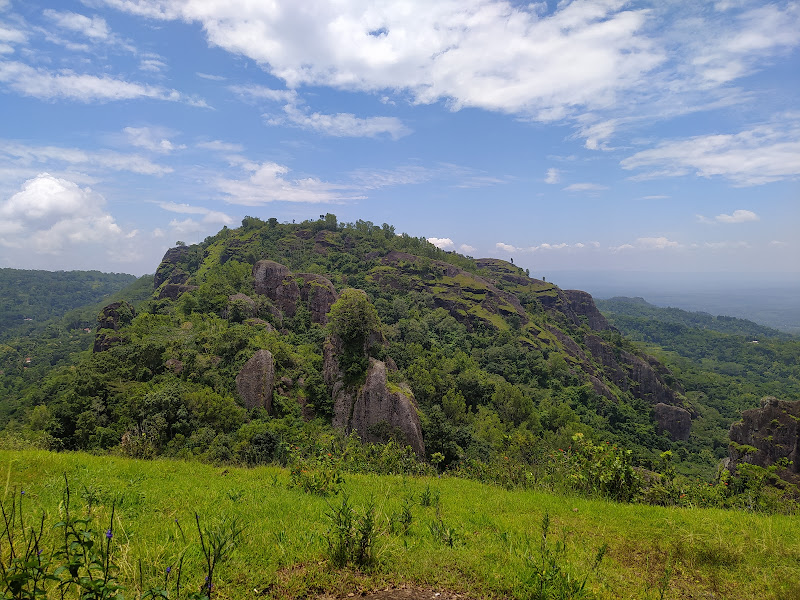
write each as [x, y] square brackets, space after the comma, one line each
[265, 324]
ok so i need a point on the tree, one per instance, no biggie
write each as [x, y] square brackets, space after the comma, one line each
[354, 320]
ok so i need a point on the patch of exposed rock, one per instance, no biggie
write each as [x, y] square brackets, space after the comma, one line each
[673, 419]
[766, 435]
[169, 269]
[277, 283]
[173, 291]
[255, 381]
[319, 294]
[632, 373]
[112, 318]
[379, 411]
[582, 304]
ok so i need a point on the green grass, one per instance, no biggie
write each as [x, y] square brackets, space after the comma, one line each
[283, 551]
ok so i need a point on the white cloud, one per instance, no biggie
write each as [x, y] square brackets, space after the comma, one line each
[48, 155]
[267, 183]
[210, 216]
[738, 216]
[68, 85]
[148, 138]
[467, 249]
[483, 53]
[442, 243]
[756, 156]
[341, 124]
[94, 28]
[553, 176]
[656, 243]
[778, 243]
[153, 65]
[655, 197]
[505, 247]
[598, 63]
[585, 187]
[49, 215]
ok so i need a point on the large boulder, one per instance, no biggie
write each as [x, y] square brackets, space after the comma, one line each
[675, 420]
[256, 380]
[379, 411]
[766, 435]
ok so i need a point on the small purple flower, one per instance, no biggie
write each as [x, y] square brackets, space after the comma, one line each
[109, 535]
[168, 570]
[22, 492]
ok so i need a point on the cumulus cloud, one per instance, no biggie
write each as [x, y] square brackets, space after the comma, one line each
[752, 157]
[483, 54]
[594, 62]
[151, 138]
[267, 182]
[68, 85]
[553, 176]
[467, 249]
[49, 214]
[442, 243]
[738, 216]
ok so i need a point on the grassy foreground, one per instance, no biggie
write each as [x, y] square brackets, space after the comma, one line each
[472, 538]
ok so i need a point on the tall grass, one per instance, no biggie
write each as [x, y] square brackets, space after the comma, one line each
[284, 536]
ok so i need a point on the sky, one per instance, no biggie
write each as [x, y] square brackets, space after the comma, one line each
[585, 135]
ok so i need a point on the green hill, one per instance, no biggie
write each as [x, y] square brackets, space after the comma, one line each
[265, 337]
[31, 297]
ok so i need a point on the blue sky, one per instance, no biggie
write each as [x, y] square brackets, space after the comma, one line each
[584, 135]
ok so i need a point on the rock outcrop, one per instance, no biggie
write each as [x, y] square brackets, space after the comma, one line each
[379, 411]
[112, 318]
[277, 283]
[173, 291]
[255, 381]
[582, 304]
[318, 292]
[766, 435]
[169, 269]
[675, 420]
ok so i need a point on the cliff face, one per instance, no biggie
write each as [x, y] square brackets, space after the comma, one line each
[766, 435]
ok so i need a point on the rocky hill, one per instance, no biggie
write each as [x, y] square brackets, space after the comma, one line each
[380, 335]
[562, 329]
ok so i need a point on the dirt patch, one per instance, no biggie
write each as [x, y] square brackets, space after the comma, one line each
[407, 592]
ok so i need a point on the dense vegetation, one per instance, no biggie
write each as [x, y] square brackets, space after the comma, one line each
[500, 375]
[725, 364]
[31, 297]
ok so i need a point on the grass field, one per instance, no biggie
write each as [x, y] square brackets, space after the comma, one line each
[475, 539]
